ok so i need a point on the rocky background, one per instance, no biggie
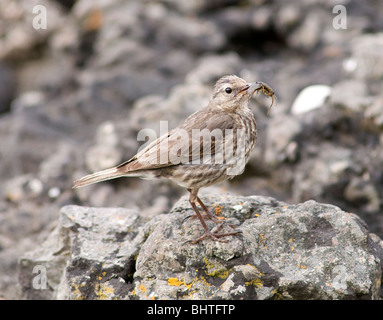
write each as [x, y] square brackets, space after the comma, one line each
[74, 96]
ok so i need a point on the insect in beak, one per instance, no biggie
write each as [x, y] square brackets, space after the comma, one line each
[267, 91]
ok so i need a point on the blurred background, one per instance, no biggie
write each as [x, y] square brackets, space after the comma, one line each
[74, 93]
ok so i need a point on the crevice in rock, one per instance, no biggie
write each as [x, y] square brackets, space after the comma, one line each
[128, 272]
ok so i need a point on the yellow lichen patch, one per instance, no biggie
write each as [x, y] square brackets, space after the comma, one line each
[189, 295]
[76, 292]
[218, 210]
[188, 285]
[253, 275]
[175, 282]
[262, 240]
[219, 274]
[104, 292]
[202, 280]
[217, 270]
[256, 269]
[208, 264]
[103, 274]
[291, 241]
[142, 288]
[255, 282]
[276, 295]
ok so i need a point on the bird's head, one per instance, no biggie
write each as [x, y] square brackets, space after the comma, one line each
[232, 92]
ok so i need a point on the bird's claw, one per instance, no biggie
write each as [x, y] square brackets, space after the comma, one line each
[220, 220]
[214, 236]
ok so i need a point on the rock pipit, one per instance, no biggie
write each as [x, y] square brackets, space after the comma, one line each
[211, 146]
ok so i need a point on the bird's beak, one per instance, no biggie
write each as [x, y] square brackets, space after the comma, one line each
[250, 88]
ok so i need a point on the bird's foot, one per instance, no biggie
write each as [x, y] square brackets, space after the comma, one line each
[214, 235]
[217, 220]
[206, 216]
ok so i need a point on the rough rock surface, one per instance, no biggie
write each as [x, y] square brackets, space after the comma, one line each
[74, 96]
[303, 251]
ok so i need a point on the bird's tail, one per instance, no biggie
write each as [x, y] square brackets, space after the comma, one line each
[99, 176]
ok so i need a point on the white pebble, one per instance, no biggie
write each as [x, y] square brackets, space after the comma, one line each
[310, 98]
[36, 186]
[54, 192]
[349, 65]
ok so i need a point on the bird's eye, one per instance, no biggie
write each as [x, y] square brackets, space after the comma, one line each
[228, 90]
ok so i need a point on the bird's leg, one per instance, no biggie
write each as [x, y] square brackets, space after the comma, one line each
[211, 216]
[208, 234]
[208, 214]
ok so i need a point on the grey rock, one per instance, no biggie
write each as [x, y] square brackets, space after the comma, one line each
[211, 67]
[289, 16]
[313, 178]
[101, 157]
[40, 273]
[235, 20]
[261, 18]
[28, 100]
[374, 112]
[57, 166]
[158, 63]
[308, 34]
[35, 131]
[350, 95]
[7, 87]
[367, 53]
[87, 245]
[105, 152]
[303, 251]
[21, 188]
[362, 189]
[280, 141]
[183, 100]
[199, 6]
[196, 35]
[18, 37]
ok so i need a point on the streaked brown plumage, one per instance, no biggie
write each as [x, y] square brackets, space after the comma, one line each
[190, 160]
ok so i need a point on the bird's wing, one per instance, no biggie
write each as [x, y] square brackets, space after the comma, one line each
[207, 141]
[195, 141]
[148, 158]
